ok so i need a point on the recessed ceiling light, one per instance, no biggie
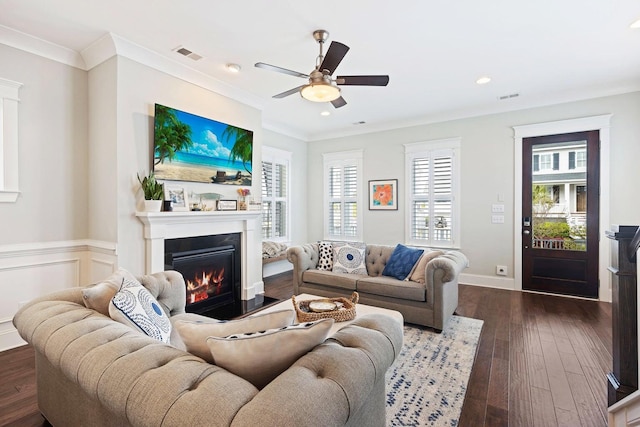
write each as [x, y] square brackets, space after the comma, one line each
[233, 68]
[483, 80]
[636, 24]
[325, 113]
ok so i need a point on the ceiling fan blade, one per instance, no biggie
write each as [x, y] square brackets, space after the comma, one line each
[339, 102]
[362, 80]
[288, 92]
[334, 56]
[280, 70]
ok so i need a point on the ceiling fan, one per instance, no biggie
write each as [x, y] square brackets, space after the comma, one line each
[322, 87]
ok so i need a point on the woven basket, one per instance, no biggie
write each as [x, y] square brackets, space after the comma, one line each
[347, 312]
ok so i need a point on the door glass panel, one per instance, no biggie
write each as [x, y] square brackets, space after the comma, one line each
[559, 196]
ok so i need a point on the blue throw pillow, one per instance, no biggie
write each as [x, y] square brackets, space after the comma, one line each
[401, 262]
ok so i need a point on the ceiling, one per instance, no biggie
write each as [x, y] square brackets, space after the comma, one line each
[545, 51]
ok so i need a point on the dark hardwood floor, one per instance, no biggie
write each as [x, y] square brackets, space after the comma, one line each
[541, 361]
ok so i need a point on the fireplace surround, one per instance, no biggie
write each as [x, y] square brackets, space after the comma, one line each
[162, 226]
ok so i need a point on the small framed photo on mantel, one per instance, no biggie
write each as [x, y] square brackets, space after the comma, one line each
[383, 195]
[177, 196]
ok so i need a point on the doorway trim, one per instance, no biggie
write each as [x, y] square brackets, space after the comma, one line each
[600, 123]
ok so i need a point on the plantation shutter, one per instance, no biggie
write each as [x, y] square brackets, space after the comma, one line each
[536, 162]
[556, 161]
[342, 219]
[432, 197]
[572, 159]
[275, 194]
[267, 192]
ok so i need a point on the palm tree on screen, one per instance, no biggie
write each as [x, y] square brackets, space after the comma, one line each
[170, 134]
[243, 147]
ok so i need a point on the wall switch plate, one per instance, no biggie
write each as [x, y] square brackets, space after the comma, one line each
[497, 208]
[497, 219]
[501, 270]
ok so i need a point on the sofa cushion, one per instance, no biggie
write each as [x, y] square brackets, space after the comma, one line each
[389, 287]
[417, 275]
[134, 305]
[402, 261]
[377, 257]
[334, 280]
[349, 257]
[97, 297]
[325, 256]
[259, 357]
[194, 334]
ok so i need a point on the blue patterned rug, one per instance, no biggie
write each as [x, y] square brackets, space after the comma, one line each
[427, 382]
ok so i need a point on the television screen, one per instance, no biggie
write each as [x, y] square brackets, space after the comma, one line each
[193, 148]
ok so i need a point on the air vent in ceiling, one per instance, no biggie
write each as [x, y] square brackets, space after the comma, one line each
[186, 52]
[361, 122]
[513, 95]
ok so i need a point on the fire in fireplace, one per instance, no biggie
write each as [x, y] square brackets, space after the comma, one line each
[210, 266]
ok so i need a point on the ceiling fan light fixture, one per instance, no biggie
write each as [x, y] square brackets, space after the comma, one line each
[320, 92]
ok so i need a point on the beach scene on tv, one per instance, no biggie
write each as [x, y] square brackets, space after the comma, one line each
[193, 148]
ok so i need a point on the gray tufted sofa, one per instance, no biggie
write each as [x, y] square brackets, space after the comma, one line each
[430, 304]
[94, 371]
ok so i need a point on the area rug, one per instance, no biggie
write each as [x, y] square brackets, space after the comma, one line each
[427, 382]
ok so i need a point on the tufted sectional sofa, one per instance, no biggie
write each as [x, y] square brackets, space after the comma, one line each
[94, 371]
[430, 304]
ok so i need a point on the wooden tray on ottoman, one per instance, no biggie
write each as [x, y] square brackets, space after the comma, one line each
[346, 310]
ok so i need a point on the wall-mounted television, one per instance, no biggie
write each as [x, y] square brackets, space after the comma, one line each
[192, 148]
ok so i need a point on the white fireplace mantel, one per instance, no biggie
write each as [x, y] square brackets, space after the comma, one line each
[159, 226]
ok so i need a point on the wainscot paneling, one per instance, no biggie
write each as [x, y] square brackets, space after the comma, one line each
[28, 271]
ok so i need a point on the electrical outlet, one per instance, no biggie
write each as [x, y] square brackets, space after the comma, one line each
[501, 270]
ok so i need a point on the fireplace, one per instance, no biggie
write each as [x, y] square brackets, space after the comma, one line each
[211, 267]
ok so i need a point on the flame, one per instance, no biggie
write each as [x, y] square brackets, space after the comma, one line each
[204, 285]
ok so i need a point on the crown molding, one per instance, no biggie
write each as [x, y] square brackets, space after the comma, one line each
[111, 44]
[40, 47]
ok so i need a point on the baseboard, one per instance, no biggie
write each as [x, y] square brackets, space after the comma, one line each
[277, 267]
[508, 283]
[10, 339]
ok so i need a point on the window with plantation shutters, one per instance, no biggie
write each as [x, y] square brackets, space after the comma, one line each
[432, 193]
[343, 195]
[275, 194]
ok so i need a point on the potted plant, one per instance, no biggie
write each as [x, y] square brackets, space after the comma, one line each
[153, 192]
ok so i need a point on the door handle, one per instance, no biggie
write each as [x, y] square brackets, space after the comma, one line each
[526, 232]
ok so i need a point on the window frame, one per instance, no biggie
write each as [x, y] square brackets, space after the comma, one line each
[430, 149]
[343, 159]
[9, 99]
[277, 156]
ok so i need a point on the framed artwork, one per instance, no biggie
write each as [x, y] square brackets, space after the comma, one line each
[177, 196]
[383, 194]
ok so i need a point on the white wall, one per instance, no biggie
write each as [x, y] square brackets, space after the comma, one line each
[52, 132]
[487, 172]
[40, 245]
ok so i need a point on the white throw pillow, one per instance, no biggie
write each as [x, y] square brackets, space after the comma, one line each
[259, 357]
[194, 334]
[134, 305]
[349, 257]
[325, 256]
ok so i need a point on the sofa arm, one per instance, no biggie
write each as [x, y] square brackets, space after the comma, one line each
[91, 361]
[303, 258]
[340, 382]
[441, 280]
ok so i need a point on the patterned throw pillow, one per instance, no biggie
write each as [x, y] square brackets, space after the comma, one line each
[401, 262]
[349, 257]
[325, 259]
[259, 357]
[134, 305]
[194, 334]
